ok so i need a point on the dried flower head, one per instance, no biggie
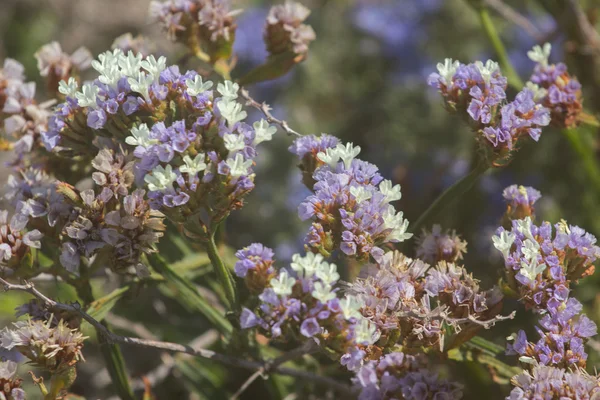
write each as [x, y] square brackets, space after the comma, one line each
[437, 245]
[10, 386]
[54, 348]
[56, 66]
[554, 383]
[16, 244]
[286, 32]
[520, 201]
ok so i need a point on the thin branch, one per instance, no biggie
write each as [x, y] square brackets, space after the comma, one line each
[266, 110]
[173, 347]
[512, 15]
[308, 347]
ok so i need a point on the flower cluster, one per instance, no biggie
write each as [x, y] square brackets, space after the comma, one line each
[540, 269]
[416, 306]
[16, 244]
[192, 147]
[22, 119]
[555, 88]
[55, 348]
[554, 383]
[402, 376]
[520, 201]
[205, 26]
[10, 387]
[539, 265]
[438, 245]
[478, 90]
[303, 303]
[255, 265]
[351, 201]
[56, 66]
[286, 32]
[126, 43]
[115, 228]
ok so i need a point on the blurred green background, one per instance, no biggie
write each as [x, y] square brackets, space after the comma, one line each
[364, 82]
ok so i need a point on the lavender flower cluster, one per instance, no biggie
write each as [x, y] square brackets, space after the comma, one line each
[520, 201]
[302, 303]
[351, 201]
[478, 89]
[192, 147]
[554, 383]
[402, 376]
[555, 88]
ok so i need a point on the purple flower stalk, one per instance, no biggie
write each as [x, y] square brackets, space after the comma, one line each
[548, 382]
[351, 202]
[555, 88]
[520, 201]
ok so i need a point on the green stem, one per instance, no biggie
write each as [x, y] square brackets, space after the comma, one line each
[490, 30]
[113, 358]
[450, 195]
[223, 273]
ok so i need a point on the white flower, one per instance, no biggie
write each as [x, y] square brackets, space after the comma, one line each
[87, 96]
[196, 86]
[531, 270]
[237, 166]
[228, 89]
[448, 69]
[538, 92]
[350, 306]
[234, 142]
[347, 153]
[108, 67]
[140, 136]
[390, 191]
[329, 157]
[263, 131]
[322, 292]
[231, 111]
[530, 249]
[283, 284]
[504, 242]
[366, 332]
[487, 70]
[141, 83]
[307, 265]
[68, 88]
[154, 66]
[161, 178]
[192, 167]
[540, 54]
[524, 226]
[130, 63]
[327, 273]
[398, 225]
[360, 193]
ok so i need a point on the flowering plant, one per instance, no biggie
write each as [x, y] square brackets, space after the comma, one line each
[123, 184]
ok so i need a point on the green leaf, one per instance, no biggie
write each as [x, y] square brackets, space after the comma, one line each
[275, 67]
[188, 295]
[99, 308]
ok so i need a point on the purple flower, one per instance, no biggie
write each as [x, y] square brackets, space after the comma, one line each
[310, 327]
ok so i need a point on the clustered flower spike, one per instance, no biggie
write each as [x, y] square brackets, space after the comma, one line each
[10, 386]
[416, 306]
[555, 88]
[402, 376]
[437, 245]
[303, 304]
[191, 144]
[206, 26]
[351, 201]
[477, 90]
[553, 383]
[286, 32]
[22, 119]
[54, 348]
[540, 268]
[56, 66]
